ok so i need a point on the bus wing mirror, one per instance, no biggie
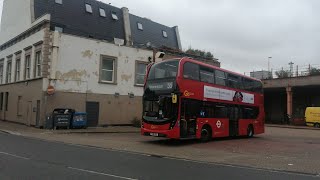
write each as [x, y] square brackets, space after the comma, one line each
[174, 98]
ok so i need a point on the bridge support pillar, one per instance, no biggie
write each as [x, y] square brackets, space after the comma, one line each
[289, 101]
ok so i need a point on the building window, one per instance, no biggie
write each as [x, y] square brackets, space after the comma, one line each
[1, 71]
[58, 1]
[107, 70]
[114, 15]
[88, 8]
[18, 70]
[19, 106]
[37, 71]
[7, 101]
[58, 29]
[102, 12]
[1, 101]
[8, 75]
[140, 72]
[27, 67]
[140, 27]
[164, 34]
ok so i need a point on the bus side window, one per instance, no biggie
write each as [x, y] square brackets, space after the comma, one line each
[220, 78]
[191, 71]
[206, 74]
[250, 112]
[221, 111]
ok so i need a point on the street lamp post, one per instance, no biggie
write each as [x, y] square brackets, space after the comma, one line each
[269, 66]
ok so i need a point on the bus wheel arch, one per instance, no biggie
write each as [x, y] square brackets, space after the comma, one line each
[250, 131]
[317, 125]
[206, 133]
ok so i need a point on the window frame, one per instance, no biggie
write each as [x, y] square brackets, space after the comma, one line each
[104, 14]
[137, 74]
[27, 67]
[140, 26]
[17, 70]
[114, 16]
[88, 8]
[58, 1]
[37, 63]
[1, 70]
[114, 71]
[164, 34]
[9, 71]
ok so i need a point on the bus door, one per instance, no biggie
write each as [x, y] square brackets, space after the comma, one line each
[188, 122]
[234, 113]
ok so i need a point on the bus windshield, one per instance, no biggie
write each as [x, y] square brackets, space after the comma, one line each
[161, 109]
[166, 69]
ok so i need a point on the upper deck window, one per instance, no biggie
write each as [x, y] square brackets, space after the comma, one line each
[191, 71]
[166, 69]
[220, 78]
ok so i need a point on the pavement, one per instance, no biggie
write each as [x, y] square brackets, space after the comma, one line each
[14, 128]
[291, 126]
[27, 158]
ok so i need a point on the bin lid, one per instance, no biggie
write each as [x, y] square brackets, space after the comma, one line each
[80, 113]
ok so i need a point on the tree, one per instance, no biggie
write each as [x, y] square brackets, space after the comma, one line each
[314, 71]
[197, 52]
[282, 73]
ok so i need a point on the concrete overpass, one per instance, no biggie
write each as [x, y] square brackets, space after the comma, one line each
[290, 96]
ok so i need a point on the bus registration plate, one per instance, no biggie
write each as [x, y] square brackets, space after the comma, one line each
[154, 134]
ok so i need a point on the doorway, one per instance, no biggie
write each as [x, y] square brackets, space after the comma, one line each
[92, 109]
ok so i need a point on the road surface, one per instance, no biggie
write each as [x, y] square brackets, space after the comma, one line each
[27, 158]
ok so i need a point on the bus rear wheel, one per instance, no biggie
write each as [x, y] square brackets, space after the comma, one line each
[317, 125]
[206, 134]
[250, 131]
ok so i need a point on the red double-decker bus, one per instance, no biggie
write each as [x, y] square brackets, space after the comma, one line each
[185, 99]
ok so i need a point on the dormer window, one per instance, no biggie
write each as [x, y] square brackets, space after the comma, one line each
[88, 8]
[140, 27]
[58, 1]
[102, 12]
[114, 15]
[164, 34]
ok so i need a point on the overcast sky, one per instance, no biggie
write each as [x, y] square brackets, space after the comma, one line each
[241, 33]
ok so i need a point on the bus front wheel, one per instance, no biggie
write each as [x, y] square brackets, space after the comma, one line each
[206, 133]
[250, 131]
[317, 125]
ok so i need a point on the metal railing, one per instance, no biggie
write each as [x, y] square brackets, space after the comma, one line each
[287, 72]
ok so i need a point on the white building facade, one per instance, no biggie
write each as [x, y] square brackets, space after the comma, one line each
[88, 71]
